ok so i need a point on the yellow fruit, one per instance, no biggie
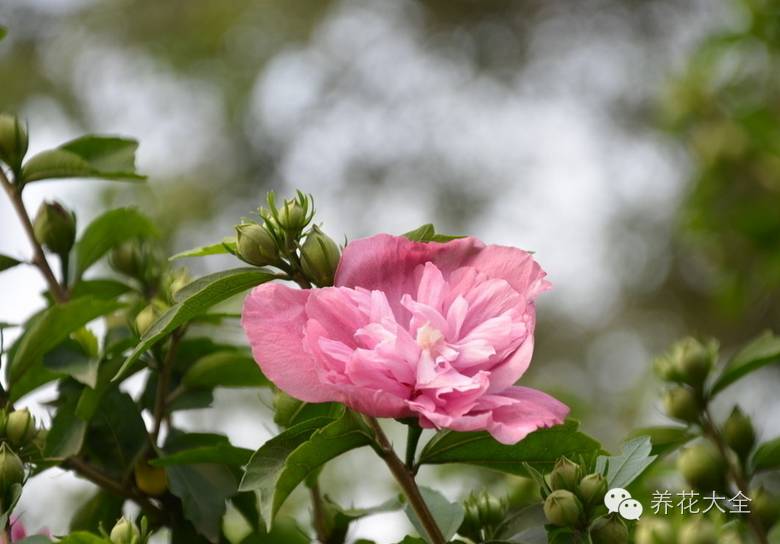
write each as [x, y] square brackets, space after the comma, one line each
[151, 480]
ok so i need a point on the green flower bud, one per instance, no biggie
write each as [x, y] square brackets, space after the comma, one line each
[293, 216]
[565, 475]
[55, 228]
[592, 489]
[610, 530]
[702, 467]
[689, 361]
[765, 506]
[126, 259]
[654, 531]
[738, 433]
[141, 260]
[20, 427]
[125, 532]
[255, 245]
[146, 318]
[698, 531]
[484, 513]
[13, 142]
[562, 508]
[681, 403]
[11, 470]
[319, 258]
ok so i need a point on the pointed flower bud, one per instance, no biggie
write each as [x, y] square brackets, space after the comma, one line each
[125, 532]
[255, 245]
[319, 258]
[592, 489]
[654, 531]
[566, 474]
[147, 317]
[738, 433]
[55, 228]
[13, 141]
[698, 531]
[688, 361]
[562, 508]
[11, 470]
[680, 402]
[20, 427]
[702, 467]
[610, 530]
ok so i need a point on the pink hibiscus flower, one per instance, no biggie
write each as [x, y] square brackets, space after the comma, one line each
[437, 331]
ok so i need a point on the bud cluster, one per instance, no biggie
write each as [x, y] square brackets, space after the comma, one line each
[20, 438]
[484, 513]
[127, 532]
[688, 362]
[284, 240]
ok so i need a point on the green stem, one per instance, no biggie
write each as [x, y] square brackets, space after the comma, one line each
[413, 433]
[405, 479]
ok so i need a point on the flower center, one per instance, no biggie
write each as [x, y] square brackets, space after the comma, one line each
[428, 337]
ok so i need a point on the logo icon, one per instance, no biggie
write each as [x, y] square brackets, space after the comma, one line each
[619, 500]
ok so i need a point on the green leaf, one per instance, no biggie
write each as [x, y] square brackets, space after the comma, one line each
[427, 233]
[35, 539]
[625, 468]
[767, 456]
[226, 246]
[7, 262]
[448, 515]
[102, 509]
[232, 368]
[100, 288]
[194, 300]
[524, 527]
[203, 490]
[3, 32]
[540, 449]
[66, 435]
[86, 157]
[69, 359]
[222, 454]
[283, 462]
[12, 494]
[83, 537]
[760, 352]
[664, 439]
[285, 531]
[108, 231]
[51, 327]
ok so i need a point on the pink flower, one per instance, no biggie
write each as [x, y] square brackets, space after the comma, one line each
[18, 532]
[440, 331]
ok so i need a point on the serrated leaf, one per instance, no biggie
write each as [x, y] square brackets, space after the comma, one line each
[102, 157]
[540, 449]
[108, 231]
[194, 300]
[285, 461]
[664, 439]
[448, 515]
[49, 328]
[767, 456]
[226, 246]
[631, 463]
[203, 490]
[7, 262]
[222, 454]
[231, 368]
[762, 351]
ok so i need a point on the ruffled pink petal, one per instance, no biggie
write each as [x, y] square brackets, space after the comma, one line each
[273, 319]
[521, 410]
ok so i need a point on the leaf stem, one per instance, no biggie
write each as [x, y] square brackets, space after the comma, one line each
[163, 384]
[318, 513]
[405, 479]
[39, 259]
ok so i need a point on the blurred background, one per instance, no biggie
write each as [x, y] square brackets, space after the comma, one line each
[634, 145]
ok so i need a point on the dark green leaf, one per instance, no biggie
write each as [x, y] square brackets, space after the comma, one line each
[283, 462]
[524, 527]
[767, 456]
[246, 503]
[540, 449]
[102, 509]
[195, 299]
[224, 454]
[760, 352]
[448, 515]
[225, 369]
[285, 531]
[203, 490]
[7, 262]
[13, 492]
[665, 439]
[69, 359]
[67, 432]
[108, 231]
[51, 327]
[109, 289]
[625, 468]
[86, 157]
[226, 246]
